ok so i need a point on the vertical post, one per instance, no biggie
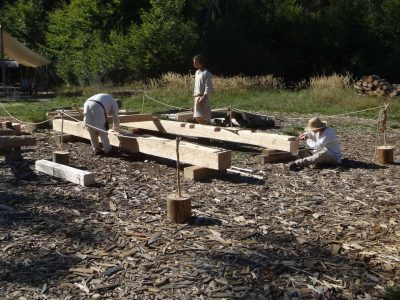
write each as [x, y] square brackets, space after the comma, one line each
[230, 114]
[178, 190]
[384, 124]
[3, 66]
[62, 129]
[143, 102]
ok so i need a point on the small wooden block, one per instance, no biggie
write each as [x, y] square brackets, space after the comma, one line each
[197, 173]
[385, 155]
[61, 157]
[17, 128]
[67, 138]
[179, 209]
[275, 158]
[268, 151]
[77, 176]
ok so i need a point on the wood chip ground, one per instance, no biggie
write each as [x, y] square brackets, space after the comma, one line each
[314, 234]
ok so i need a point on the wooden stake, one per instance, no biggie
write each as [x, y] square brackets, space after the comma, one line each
[179, 209]
[385, 155]
[62, 130]
[61, 157]
[230, 114]
[178, 177]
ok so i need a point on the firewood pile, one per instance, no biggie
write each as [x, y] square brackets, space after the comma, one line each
[373, 85]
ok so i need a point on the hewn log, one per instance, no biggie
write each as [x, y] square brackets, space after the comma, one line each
[262, 139]
[218, 159]
[17, 141]
[77, 176]
[7, 131]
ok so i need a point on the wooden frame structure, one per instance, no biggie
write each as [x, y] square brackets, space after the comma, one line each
[262, 139]
[212, 158]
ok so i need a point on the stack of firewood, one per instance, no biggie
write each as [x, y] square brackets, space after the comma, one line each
[373, 85]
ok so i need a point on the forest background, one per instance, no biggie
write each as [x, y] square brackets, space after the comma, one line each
[119, 41]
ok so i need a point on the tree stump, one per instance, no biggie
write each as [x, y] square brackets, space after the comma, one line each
[61, 157]
[385, 154]
[179, 209]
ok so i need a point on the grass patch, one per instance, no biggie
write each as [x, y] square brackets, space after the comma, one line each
[324, 96]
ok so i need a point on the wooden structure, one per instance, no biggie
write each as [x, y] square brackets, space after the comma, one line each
[11, 140]
[73, 175]
[217, 159]
[261, 139]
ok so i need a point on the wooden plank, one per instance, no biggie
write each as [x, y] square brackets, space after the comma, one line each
[212, 158]
[122, 118]
[71, 174]
[17, 141]
[185, 115]
[7, 131]
[275, 141]
[275, 157]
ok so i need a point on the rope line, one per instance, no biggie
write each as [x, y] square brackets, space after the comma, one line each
[23, 122]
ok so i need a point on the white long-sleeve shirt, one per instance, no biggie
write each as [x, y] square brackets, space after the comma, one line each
[325, 141]
[94, 113]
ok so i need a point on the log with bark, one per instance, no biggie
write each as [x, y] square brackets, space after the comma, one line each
[373, 85]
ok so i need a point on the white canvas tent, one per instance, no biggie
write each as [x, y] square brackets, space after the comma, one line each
[17, 51]
[22, 54]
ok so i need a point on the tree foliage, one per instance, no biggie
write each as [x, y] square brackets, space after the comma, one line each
[94, 41]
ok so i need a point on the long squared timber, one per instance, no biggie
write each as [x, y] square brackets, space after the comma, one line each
[77, 176]
[122, 117]
[266, 140]
[185, 115]
[189, 153]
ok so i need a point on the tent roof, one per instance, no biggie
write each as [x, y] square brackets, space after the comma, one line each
[23, 55]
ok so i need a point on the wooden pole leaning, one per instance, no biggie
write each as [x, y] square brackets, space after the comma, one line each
[179, 208]
[385, 152]
[61, 157]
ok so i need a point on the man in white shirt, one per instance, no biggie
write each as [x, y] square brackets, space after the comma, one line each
[324, 144]
[202, 91]
[95, 110]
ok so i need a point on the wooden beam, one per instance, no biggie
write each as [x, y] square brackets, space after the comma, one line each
[267, 140]
[72, 116]
[189, 153]
[17, 141]
[7, 131]
[77, 176]
[185, 115]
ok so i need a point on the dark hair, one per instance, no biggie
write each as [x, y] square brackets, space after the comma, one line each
[200, 58]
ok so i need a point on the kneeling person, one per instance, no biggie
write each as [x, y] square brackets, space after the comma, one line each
[324, 145]
[96, 109]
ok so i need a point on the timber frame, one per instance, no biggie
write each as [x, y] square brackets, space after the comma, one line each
[189, 153]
